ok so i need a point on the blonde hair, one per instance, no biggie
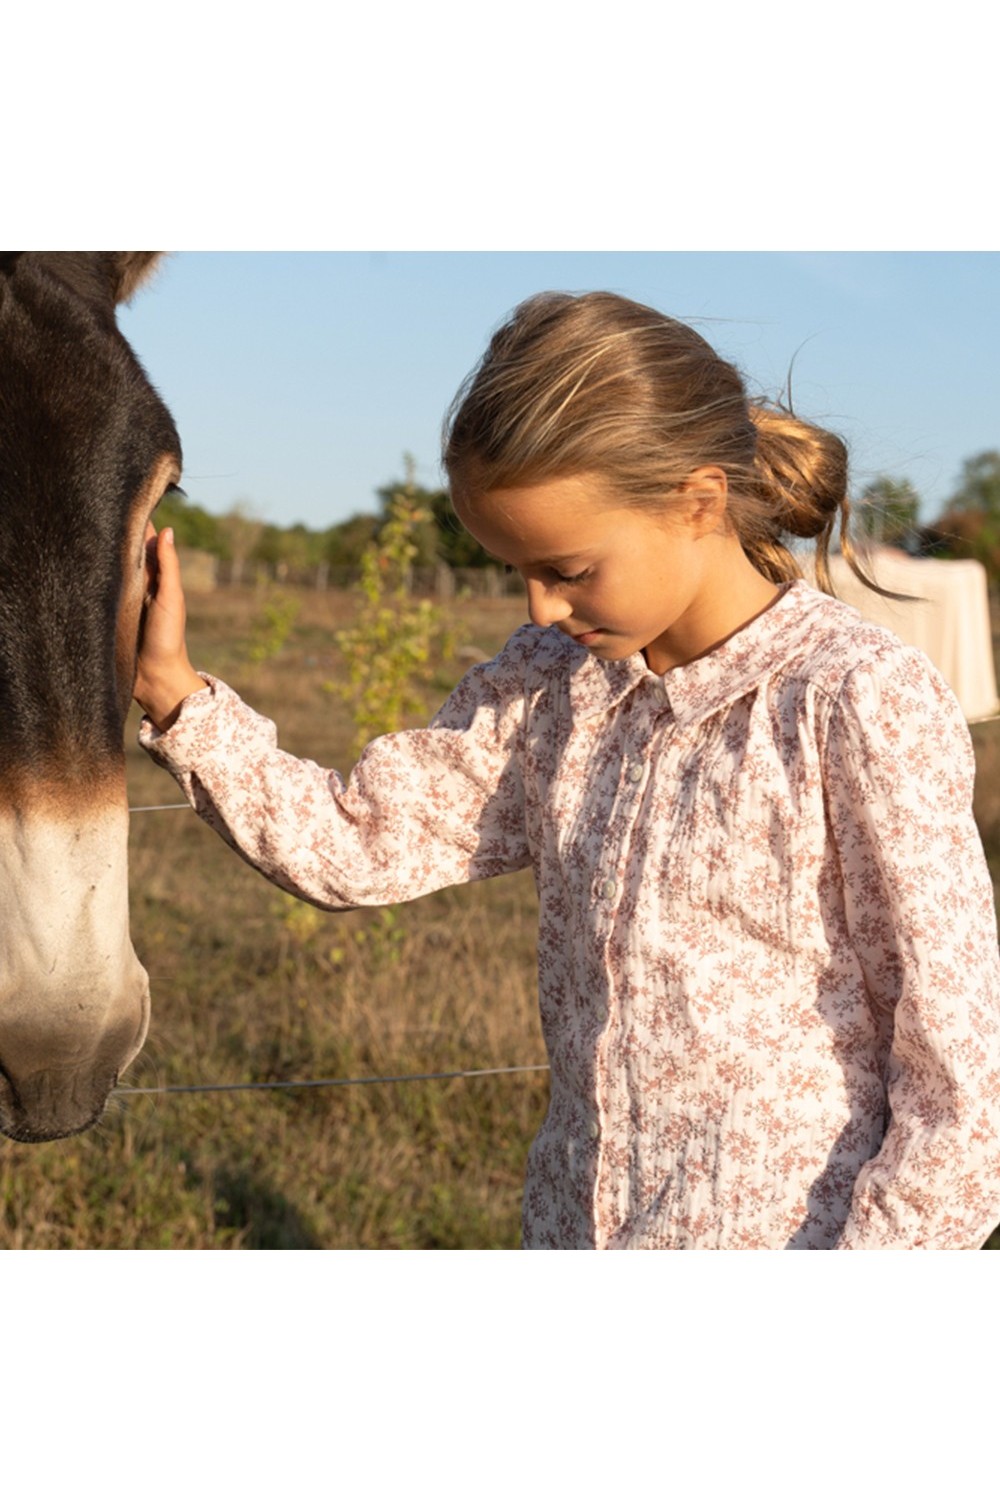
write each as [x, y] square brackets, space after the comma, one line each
[602, 385]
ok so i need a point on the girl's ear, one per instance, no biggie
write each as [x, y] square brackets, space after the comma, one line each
[706, 493]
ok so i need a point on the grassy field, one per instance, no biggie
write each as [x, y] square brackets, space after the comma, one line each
[251, 986]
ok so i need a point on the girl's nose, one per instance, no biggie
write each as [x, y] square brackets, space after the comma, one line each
[544, 606]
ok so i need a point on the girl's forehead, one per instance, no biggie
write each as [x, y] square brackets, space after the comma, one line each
[546, 521]
[551, 502]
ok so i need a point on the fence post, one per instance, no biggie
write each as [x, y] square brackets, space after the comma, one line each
[444, 581]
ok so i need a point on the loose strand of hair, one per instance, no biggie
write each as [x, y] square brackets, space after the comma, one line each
[853, 555]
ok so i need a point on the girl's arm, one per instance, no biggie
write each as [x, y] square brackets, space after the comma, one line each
[920, 908]
[423, 809]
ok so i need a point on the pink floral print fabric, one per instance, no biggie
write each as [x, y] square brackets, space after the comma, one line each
[767, 957]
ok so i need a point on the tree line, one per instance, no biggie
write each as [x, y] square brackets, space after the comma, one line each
[968, 526]
[888, 511]
[242, 538]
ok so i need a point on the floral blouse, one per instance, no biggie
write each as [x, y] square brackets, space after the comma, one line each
[767, 954]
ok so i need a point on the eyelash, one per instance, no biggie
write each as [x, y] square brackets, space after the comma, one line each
[559, 577]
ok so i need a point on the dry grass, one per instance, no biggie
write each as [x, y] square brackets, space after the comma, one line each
[250, 985]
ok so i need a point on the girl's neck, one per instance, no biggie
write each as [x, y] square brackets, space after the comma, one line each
[732, 594]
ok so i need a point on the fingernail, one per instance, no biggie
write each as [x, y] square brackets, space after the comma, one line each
[168, 535]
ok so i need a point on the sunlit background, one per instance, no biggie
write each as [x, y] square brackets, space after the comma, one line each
[299, 381]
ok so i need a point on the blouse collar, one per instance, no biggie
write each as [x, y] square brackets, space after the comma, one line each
[713, 681]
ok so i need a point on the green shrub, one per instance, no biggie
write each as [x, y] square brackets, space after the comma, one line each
[391, 649]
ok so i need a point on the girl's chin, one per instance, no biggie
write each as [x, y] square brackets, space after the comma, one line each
[607, 646]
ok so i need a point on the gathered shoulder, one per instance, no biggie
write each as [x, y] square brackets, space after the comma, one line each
[886, 708]
[537, 644]
[533, 653]
[531, 659]
[842, 655]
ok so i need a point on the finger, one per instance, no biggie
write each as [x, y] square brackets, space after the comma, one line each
[168, 570]
[149, 546]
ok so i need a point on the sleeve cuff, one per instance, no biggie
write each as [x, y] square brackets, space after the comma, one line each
[148, 732]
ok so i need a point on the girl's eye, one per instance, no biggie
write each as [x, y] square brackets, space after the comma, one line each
[574, 577]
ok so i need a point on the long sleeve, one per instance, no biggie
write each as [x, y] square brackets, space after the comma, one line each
[921, 919]
[423, 809]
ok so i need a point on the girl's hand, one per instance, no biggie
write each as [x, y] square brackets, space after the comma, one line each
[165, 676]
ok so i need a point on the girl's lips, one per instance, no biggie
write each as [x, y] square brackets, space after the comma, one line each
[586, 636]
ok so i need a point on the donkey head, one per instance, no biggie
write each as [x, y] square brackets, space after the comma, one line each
[87, 448]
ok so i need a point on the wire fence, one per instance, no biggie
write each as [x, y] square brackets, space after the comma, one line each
[162, 807]
[328, 1083]
[307, 1083]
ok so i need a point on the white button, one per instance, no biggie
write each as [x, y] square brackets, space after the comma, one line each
[635, 772]
[608, 889]
[595, 1129]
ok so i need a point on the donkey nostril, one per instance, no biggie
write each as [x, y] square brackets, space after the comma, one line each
[53, 1103]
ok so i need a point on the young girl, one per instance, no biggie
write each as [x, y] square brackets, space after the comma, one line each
[768, 966]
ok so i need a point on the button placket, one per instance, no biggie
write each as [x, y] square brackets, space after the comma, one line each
[609, 887]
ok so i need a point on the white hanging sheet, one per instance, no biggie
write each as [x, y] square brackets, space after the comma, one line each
[949, 619]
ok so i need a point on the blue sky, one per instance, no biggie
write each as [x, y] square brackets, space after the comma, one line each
[298, 381]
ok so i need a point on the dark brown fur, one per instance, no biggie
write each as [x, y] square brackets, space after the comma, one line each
[86, 449]
[82, 432]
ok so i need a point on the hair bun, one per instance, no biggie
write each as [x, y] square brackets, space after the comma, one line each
[800, 470]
